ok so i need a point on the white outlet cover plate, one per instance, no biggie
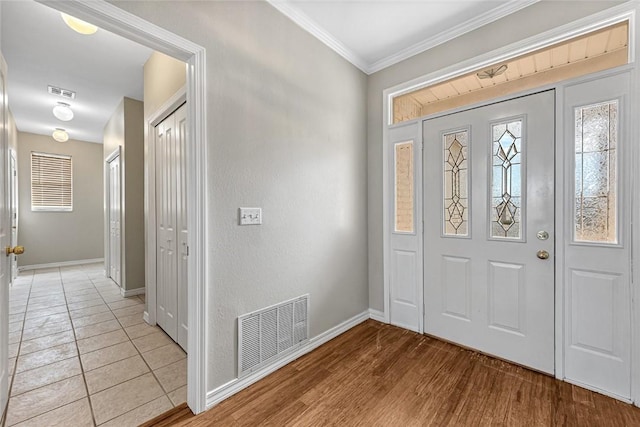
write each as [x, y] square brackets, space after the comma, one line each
[250, 216]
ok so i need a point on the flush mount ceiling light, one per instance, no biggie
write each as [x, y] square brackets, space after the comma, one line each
[63, 112]
[492, 72]
[60, 135]
[78, 25]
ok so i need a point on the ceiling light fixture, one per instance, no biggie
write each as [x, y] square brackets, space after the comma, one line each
[492, 72]
[78, 25]
[63, 112]
[60, 135]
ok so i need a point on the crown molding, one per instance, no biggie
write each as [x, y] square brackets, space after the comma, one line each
[287, 8]
[290, 11]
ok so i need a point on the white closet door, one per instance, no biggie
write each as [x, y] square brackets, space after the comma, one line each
[172, 251]
[181, 199]
[114, 221]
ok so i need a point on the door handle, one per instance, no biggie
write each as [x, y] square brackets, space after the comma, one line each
[542, 254]
[16, 250]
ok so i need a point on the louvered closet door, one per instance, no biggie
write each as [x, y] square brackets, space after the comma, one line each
[171, 220]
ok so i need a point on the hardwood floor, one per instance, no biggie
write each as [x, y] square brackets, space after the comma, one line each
[380, 375]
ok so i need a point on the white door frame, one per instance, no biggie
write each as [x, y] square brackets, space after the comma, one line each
[107, 200]
[132, 27]
[179, 98]
[626, 11]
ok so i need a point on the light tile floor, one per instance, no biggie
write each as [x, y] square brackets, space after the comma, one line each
[81, 355]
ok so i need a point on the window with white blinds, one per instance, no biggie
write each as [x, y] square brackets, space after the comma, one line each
[51, 182]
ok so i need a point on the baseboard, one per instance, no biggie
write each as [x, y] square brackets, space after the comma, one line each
[59, 264]
[377, 315]
[132, 292]
[232, 387]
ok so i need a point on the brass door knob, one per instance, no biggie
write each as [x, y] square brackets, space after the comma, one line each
[17, 250]
[543, 254]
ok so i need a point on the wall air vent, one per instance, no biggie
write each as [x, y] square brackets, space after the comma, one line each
[269, 334]
[65, 93]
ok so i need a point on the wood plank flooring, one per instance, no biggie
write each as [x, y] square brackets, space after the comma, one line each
[380, 375]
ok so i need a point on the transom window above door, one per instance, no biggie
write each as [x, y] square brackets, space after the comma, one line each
[588, 53]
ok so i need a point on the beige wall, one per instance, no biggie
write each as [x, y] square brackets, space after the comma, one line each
[287, 133]
[125, 128]
[528, 22]
[163, 77]
[50, 237]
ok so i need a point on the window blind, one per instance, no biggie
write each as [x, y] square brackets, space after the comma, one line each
[51, 182]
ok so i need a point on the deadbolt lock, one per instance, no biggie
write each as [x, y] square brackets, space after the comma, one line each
[542, 235]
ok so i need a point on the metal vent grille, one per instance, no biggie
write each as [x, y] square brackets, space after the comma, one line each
[65, 93]
[267, 335]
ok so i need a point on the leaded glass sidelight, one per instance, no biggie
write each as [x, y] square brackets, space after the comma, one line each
[404, 191]
[596, 134]
[456, 184]
[506, 182]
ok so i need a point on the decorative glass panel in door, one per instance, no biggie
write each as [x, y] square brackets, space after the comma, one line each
[506, 187]
[596, 134]
[456, 184]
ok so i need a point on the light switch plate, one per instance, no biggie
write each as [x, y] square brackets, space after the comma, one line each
[250, 216]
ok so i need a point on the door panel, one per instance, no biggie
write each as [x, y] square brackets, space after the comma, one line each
[597, 349]
[183, 235]
[488, 183]
[405, 292]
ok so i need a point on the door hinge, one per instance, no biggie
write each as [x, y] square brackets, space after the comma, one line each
[187, 250]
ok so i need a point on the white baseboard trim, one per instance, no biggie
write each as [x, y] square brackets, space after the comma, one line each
[132, 292]
[145, 317]
[59, 264]
[377, 315]
[232, 387]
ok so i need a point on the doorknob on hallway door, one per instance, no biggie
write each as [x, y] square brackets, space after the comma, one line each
[17, 250]
[542, 254]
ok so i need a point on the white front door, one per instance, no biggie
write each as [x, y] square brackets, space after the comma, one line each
[489, 229]
[5, 236]
[115, 258]
[172, 250]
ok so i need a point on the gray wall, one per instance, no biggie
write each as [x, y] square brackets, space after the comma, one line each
[286, 132]
[528, 22]
[50, 237]
[163, 77]
[125, 128]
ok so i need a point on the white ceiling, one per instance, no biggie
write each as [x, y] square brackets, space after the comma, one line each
[374, 34]
[40, 50]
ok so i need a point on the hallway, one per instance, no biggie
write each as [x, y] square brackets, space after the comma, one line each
[80, 354]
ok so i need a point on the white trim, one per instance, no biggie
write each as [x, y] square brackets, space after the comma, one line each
[453, 32]
[60, 264]
[132, 292]
[111, 18]
[166, 109]
[145, 317]
[288, 8]
[376, 315]
[232, 387]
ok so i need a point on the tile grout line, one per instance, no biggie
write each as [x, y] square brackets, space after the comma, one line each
[15, 362]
